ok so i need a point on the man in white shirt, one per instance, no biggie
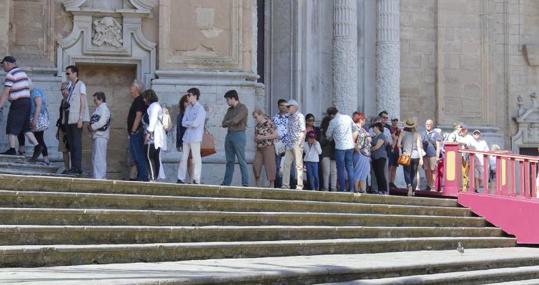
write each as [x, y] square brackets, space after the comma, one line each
[193, 120]
[479, 144]
[344, 132]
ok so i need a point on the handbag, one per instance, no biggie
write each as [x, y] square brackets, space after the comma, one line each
[404, 159]
[207, 146]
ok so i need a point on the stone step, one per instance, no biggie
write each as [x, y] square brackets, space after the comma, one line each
[43, 235]
[516, 275]
[27, 167]
[123, 201]
[519, 282]
[13, 158]
[55, 184]
[55, 216]
[289, 270]
[53, 255]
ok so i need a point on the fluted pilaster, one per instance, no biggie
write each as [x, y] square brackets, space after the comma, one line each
[345, 55]
[388, 57]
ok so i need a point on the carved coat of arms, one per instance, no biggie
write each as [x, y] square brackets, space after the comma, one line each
[107, 31]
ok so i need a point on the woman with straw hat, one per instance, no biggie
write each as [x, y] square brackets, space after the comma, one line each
[410, 142]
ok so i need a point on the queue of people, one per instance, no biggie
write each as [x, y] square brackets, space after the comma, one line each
[344, 154]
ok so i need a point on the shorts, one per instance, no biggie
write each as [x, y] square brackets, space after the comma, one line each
[393, 159]
[429, 163]
[18, 118]
[62, 142]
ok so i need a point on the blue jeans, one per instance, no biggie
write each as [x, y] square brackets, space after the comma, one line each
[345, 168]
[312, 175]
[235, 147]
[136, 148]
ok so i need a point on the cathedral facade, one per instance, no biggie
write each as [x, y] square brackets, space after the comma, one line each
[474, 61]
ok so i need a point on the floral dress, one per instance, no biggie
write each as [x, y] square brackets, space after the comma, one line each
[362, 165]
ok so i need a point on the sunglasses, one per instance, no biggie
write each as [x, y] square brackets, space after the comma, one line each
[68, 73]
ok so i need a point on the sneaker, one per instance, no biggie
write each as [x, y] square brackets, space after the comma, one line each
[180, 181]
[392, 185]
[10, 151]
[73, 171]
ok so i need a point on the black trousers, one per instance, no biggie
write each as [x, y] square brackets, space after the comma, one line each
[379, 167]
[75, 146]
[41, 141]
[152, 157]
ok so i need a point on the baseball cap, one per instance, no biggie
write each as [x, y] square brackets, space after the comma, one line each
[292, 102]
[476, 132]
[9, 59]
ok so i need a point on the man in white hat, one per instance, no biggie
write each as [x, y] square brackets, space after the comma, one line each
[294, 145]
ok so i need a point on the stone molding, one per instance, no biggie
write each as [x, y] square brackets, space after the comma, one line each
[139, 7]
[130, 45]
[388, 57]
[345, 50]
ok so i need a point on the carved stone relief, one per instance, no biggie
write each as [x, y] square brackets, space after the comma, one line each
[527, 120]
[107, 31]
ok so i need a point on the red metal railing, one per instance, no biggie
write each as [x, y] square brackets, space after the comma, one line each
[515, 175]
[507, 200]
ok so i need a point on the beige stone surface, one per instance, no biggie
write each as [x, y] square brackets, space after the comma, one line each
[205, 34]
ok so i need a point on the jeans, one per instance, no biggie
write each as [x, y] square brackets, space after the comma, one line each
[75, 146]
[410, 172]
[345, 168]
[136, 148]
[329, 174]
[312, 175]
[235, 147]
[379, 166]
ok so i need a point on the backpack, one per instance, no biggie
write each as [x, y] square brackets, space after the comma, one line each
[166, 120]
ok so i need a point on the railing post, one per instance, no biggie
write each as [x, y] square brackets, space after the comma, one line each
[498, 185]
[512, 179]
[526, 178]
[452, 167]
[486, 173]
[504, 176]
[522, 185]
[534, 179]
[471, 173]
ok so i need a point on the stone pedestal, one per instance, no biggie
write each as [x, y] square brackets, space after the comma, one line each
[345, 55]
[388, 57]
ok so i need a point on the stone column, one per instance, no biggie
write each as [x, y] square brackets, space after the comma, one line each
[388, 57]
[345, 55]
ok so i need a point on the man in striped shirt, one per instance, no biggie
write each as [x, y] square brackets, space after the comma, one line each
[17, 91]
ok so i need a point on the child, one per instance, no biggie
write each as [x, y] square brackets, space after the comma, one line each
[312, 151]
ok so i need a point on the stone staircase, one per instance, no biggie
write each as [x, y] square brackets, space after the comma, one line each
[53, 221]
[18, 164]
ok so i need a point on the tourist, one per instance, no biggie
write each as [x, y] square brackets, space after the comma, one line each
[235, 121]
[77, 113]
[61, 135]
[379, 156]
[394, 152]
[465, 142]
[309, 126]
[432, 145]
[312, 151]
[17, 92]
[344, 132]
[294, 145]
[457, 129]
[136, 131]
[193, 120]
[410, 143]
[99, 127]
[329, 165]
[265, 134]
[180, 131]
[362, 153]
[280, 120]
[479, 144]
[39, 122]
[155, 137]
